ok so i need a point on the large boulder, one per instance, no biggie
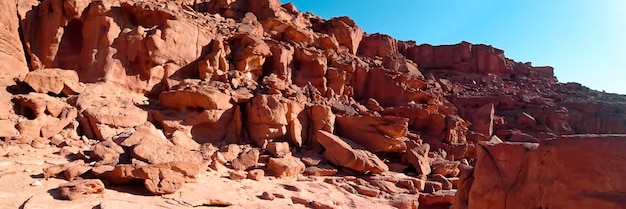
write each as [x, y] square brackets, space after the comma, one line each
[377, 44]
[54, 81]
[348, 154]
[106, 110]
[46, 115]
[522, 175]
[376, 134]
[274, 117]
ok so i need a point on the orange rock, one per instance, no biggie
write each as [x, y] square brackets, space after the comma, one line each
[202, 96]
[7, 129]
[13, 62]
[246, 160]
[54, 81]
[322, 118]
[559, 160]
[230, 152]
[162, 153]
[367, 191]
[214, 65]
[278, 149]
[268, 118]
[237, 175]
[320, 171]
[285, 167]
[377, 134]
[256, 174]
[159, 180]
[47, 116]
[348, 34]
[377, 44]
[310, 67]
[108, 152]
[249, 54]
[345, 153]
[419, 161]
[78, 188]
[106, 111]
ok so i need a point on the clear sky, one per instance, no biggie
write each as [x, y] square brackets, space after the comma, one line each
[585, 41]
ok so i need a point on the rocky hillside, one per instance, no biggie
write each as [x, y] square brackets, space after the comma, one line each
[178, 94]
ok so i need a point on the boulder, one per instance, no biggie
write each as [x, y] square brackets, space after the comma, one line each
[419, 160]
[106, 110]
[197, 96]
[54, 80]
[267, 118]
[556, 167]
[285, 167]
[164, 153]
[278, 149]
[322, 118]
[377, 134]
[76, 189]
[347, 33]
[348, 154]
[107, 152]
[214, 65]
[246, 160]
[377, 44]
[47, 116]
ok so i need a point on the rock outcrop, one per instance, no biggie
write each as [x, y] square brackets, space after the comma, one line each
[568, 172]
[164, 92]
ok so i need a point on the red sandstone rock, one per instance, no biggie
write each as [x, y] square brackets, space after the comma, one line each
[79, 188]
[157, 153]
[256, 174]
[378, 45]
[377, 134]
[346, 31]
[285, 167]
[320, 171]
[106, 111]
[47, 115]
[345, 153]
[54, 81]
[278, 149]
[419, 161]
[107, 152]
[322, 118]
[13, 62]
[247, 159]
[237, 175]
[266, 74]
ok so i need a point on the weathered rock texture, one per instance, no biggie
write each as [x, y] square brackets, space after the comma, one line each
[162, 91]
[568, 172]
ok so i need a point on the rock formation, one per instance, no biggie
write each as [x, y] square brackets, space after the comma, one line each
[167, 92]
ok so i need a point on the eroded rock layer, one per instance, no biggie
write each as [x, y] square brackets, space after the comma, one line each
[161, 92]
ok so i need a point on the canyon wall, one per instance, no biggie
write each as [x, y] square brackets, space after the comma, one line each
[256, 84]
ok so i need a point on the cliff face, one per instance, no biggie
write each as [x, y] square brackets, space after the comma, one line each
[198, 82]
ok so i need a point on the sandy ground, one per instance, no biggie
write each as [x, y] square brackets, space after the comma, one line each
[22, 186]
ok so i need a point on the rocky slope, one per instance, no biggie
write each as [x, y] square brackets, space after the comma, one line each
[178, 95]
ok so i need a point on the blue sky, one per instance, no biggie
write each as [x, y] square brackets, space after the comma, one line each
[585, 41]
